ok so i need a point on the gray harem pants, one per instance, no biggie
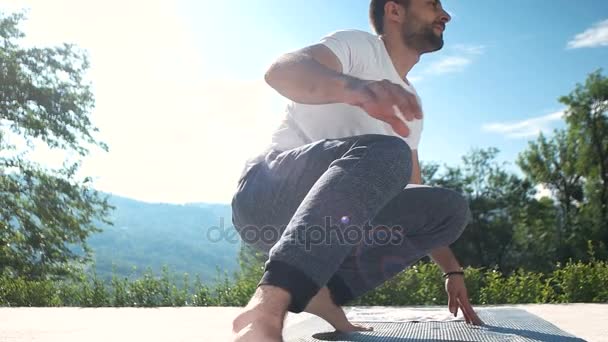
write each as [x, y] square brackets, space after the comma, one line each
[337, 213]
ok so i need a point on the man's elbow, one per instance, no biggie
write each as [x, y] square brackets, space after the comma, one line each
[283, 68]
[275, 74]
[269, 76]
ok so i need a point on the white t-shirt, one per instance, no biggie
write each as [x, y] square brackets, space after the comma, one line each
[363, 55]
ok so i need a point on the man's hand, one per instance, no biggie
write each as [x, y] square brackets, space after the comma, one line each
[458, 298]
[384, 100]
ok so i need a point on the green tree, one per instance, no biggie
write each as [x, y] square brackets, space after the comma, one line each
[429, 171]
[501, 206]
[496, 200]
[587, 119]
[46, 214]
[573, 164]
[535, 246]
[552, 163]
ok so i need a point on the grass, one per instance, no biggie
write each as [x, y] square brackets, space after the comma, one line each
[421, 284]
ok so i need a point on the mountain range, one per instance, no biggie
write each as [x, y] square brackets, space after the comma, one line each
[196, 238]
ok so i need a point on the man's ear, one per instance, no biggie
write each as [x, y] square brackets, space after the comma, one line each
[394, 11]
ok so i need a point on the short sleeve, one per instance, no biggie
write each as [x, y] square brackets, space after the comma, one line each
[352, 47]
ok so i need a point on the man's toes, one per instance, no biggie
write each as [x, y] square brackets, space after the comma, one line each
[359, 327]
[355, 327]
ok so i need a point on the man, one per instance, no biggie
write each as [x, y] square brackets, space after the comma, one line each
[337, 172]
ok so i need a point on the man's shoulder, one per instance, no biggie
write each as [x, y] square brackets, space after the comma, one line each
[353, 33]
[356, 40]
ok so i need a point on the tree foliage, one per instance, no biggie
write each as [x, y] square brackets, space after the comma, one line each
[573, 164]
[46, 214]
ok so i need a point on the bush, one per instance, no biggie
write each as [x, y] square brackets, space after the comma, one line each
[579, 282]
[21, 292]
[421, 284]
[519, 287]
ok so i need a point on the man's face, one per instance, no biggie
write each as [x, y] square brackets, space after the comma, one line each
[424, 25]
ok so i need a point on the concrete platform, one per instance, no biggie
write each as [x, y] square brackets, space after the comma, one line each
[586, 321]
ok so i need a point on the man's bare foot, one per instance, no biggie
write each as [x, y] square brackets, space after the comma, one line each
[262, 319]
[323, 306]
[254, 326]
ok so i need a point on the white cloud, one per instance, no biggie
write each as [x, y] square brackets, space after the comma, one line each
[448, 64]
[470, 49]
[461, 56]
[175, 134]
[526, 128]
[595, 36]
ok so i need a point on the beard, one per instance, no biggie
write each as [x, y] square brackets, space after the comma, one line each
[421, 37]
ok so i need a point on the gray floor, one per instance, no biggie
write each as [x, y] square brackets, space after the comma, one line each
[202, 324]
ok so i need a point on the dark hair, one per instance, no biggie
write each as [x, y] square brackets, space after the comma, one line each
[376, 13]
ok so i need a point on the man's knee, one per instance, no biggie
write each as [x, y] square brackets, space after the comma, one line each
[391, 153]
[394, 147]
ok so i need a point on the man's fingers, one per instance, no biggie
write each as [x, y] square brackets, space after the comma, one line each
[408, 103]
[414, 106]
[452, 305]
[399, 114]
[477, 320]
[417, 110]
[410, 108]
[392, 94]
[402, 99]
[474, 318]
[470, 312]
[385, 100]
[407, 112]
[399, 126]
[465, 313]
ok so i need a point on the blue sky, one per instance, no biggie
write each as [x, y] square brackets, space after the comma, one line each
[181, 101]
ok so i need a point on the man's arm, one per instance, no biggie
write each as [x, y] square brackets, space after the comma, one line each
[312, 75]
[316, 75]
[416, 175]
[445, 259]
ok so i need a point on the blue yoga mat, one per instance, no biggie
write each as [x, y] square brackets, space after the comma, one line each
[501, 324]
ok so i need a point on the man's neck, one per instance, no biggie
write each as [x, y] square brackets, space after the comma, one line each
[402, 56]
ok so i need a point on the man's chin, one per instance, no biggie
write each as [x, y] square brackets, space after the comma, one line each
[440, 46]
[435, 47]
[438, 43]
[435, 42]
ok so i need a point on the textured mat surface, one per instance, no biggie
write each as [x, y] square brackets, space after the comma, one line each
[500, 325]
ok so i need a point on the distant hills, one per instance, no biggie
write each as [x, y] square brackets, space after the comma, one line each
[186, 238]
